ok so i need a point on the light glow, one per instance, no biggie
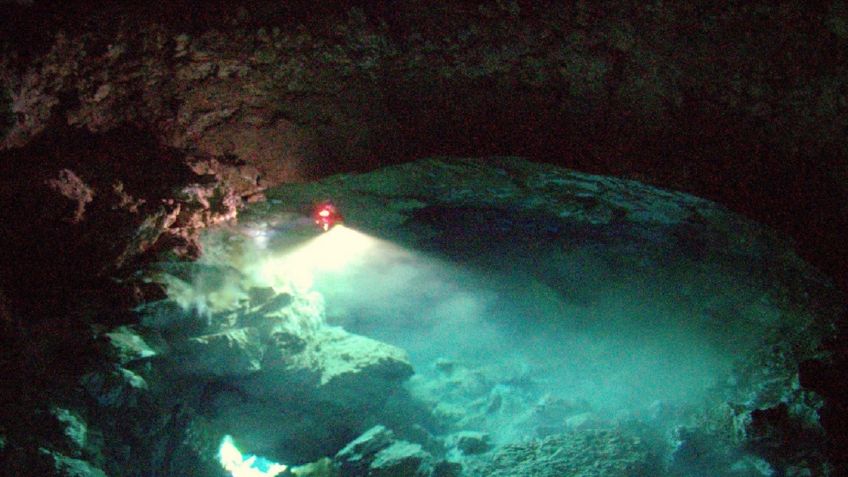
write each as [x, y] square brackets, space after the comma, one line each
[327, 216]
[238, 465]
[329, 252]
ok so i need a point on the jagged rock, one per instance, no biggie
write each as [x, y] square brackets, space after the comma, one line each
[260, 296]
[148, 232]
[333, 366]
[64, 466]
[400, 459]
[783, 437]
[470, 442]
[74, 430]
[115, 388]
[208, 288]
[376, 453]
[74, 189]
[266, 300]
[550, 414]
[236, 352]
[356, 457]
[299, 313]
[206, 296]
[478, 398]
[750, 466]
[125, 345]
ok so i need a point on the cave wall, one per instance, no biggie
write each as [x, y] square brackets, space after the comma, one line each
[743, 102]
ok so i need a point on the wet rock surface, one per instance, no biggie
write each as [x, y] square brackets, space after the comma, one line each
[241, 344]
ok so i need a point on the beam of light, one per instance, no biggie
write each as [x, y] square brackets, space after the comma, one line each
[239, 465]
[331, 251]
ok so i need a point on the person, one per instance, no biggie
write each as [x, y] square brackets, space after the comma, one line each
[326, 215]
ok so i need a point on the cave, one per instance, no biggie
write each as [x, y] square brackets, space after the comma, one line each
[491, 238]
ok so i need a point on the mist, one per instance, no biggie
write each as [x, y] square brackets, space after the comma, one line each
[581, 326]
[630, 340]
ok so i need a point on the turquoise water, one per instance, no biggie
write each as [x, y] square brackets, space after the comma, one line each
[520, 340]
[620, 341]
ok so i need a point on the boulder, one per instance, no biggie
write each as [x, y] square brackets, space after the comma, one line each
[332, 366]
[167, 317]
[287, 410]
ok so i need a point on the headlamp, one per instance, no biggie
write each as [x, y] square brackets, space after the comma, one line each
[326, 216]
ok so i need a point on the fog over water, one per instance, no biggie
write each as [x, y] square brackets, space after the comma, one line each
[616, 337]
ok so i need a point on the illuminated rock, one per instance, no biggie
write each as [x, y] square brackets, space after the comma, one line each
[74, 430]
[376, 453]
[229, 353]
[64, 466]
[356, 457]
[126, 345]
[332, 365]
[400, 459]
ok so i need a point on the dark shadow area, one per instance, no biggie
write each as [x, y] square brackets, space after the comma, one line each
[58, 250]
